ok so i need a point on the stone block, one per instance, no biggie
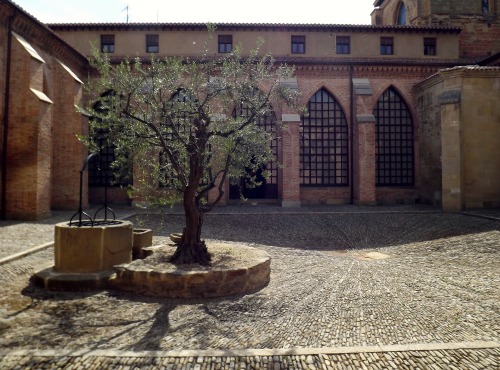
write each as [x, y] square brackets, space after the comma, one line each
[89, 249]
[142, 238]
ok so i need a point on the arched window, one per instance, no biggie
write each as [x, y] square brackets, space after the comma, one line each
[401, 21]
[100, 171]
[394, 141]
[324, 143]
[176, 126]
[269, 187]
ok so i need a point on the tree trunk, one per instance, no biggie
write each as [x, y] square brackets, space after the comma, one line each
[191, 249]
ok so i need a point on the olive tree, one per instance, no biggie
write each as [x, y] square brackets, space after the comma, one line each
[188, 125]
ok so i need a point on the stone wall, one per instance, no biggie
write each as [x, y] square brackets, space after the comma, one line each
[460, 131]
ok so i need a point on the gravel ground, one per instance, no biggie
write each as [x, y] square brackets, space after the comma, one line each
[438, 284]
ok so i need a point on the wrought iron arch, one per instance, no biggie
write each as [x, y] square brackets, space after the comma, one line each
[395, 162]
[324, 142]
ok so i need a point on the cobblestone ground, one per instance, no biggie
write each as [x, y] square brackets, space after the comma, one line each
[439, 284]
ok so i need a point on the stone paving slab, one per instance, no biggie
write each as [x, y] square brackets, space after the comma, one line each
[439, 284]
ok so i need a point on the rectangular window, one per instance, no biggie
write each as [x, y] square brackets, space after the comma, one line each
[343, 45]
[386, 46]
[152, 43]
[298, 44]
[225, 43]
[107, 43]
[430, 46]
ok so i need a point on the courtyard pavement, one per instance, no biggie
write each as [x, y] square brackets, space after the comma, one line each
[405, 287]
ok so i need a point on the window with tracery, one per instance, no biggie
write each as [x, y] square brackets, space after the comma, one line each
[394, 141]
[324, 145]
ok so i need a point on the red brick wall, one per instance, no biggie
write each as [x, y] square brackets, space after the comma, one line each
[29, 149]
[68, 151]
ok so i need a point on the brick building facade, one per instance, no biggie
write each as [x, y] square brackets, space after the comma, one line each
[40, 83]
[375, 92]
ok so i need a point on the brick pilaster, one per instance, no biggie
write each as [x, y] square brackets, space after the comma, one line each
[290, 137]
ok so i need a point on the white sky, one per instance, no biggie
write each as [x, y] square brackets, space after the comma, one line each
[201, 11]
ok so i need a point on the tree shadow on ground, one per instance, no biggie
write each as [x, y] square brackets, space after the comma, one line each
[109, 319]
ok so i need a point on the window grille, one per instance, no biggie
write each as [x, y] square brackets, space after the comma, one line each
[182, 127]
[430, 46]
[386, 46]
[269, 188]
[343, 45]
[394, 141]
[324, 143]
[152, 43]
[99, 166]
[225, 43]
[107, 43]
[298, 44]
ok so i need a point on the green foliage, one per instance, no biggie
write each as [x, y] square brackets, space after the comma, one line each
[186, 123]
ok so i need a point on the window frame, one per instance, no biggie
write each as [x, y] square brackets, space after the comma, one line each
[343, 44]
[108, 43]
[152, 43]
[386, 45]
[430, 46]
[225, 44]
[394, 141]
[324, 143]
[298, 44]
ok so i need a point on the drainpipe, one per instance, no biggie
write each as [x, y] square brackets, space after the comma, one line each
[351, 169]
[3, 210]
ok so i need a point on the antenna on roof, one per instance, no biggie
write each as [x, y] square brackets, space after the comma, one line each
[126, 8]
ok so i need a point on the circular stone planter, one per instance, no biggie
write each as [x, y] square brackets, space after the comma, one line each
[236, 269]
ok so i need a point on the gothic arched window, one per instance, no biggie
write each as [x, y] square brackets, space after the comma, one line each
[324, 145]
[401, 14]
[394, 141]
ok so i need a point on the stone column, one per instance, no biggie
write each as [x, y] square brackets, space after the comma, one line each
[290, 140]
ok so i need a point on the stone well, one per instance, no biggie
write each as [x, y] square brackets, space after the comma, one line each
[85, 255]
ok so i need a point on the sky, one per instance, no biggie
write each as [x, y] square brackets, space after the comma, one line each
[200, 11]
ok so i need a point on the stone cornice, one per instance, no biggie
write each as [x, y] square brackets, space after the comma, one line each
[284, 27]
